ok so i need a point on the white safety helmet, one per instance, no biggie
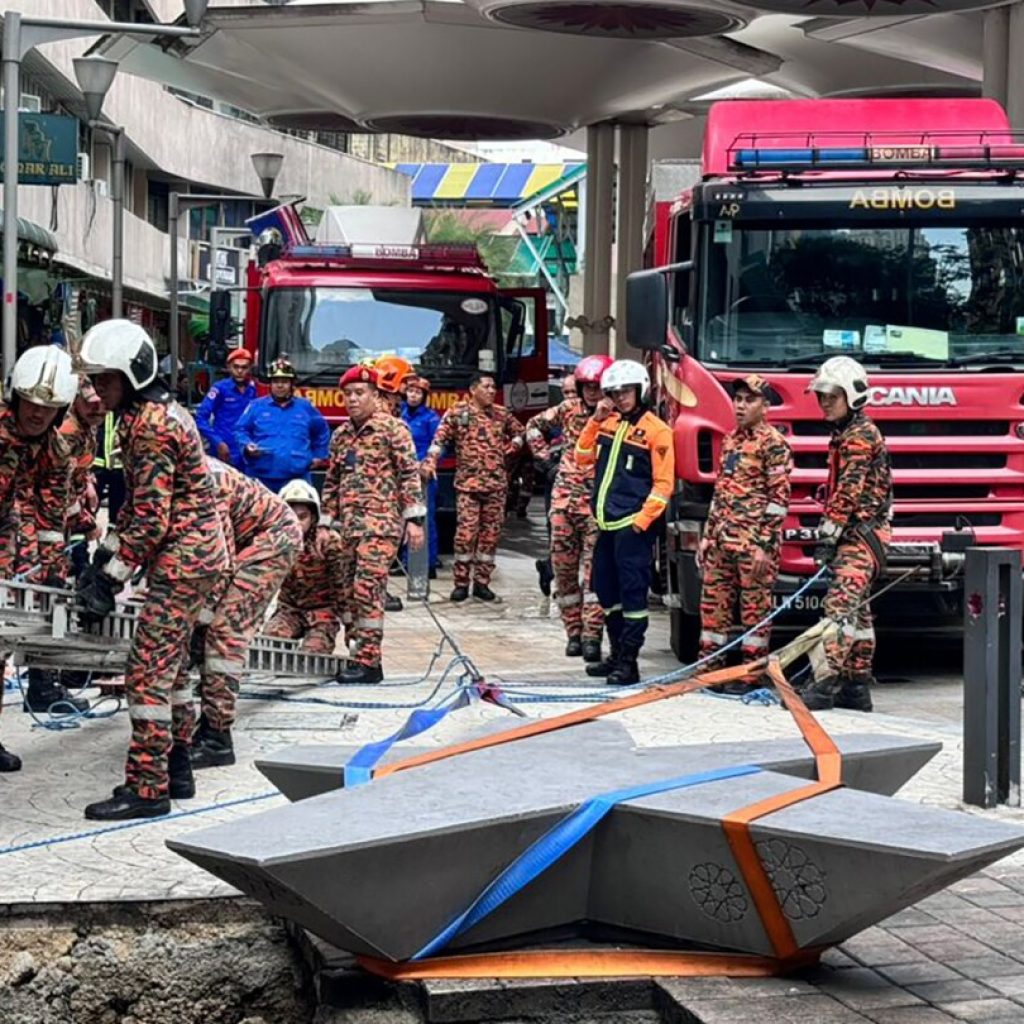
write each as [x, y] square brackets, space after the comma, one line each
[120, 345]
[300, 492]
[625, 372]
[44, 375]
[841, 373]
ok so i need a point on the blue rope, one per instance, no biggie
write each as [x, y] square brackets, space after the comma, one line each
[558, 841]
[58, 721]
[176, 815]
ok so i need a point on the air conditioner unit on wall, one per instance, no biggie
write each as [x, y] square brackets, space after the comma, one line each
[30, 104]
[84, 167]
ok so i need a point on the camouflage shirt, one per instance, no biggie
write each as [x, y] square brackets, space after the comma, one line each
[752, 490]
[317, 579]
[573, 482]
[81, 441]
[859, 476]
[372, 470]
[482, 438]
[249, 508]
[169, 521]
[35, 483]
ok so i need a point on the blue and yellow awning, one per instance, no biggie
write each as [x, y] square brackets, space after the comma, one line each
[484, 184]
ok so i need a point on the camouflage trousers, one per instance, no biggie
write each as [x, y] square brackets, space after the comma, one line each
[573, 535]
[235, 618]
[850, 653]
[479, 516]
[317, 628]
[157, 706]
[371, 546]
[727, 580]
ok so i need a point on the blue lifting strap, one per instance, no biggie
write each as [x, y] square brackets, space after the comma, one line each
[558, 841]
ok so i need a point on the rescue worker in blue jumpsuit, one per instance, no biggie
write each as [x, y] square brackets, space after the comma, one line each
[282, 437]
[633, 483]
[422, 422]
[222, 407]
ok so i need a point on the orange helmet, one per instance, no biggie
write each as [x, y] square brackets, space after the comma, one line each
[392, 373]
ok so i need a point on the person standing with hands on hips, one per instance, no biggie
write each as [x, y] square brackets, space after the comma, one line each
[739, 552]
[633, 483]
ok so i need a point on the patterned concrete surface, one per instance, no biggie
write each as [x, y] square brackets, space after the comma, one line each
[958, 956]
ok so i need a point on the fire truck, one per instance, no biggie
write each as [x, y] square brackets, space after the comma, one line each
[368, 286]
[887, 230]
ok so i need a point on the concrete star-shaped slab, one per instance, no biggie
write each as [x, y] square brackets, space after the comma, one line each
[381, 869]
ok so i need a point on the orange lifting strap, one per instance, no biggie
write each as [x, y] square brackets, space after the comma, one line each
[612, 963]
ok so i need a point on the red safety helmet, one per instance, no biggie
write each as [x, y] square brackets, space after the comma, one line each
[392, 373]
[359, 375]
[419, 382]
[590, 369]
[238, 355]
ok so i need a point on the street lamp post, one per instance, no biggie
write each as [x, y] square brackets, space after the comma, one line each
[22, 33]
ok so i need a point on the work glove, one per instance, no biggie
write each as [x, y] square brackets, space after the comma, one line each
[95, 593]
[197, 647]
[825, 550]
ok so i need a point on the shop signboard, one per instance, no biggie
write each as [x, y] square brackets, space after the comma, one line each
[47, 149]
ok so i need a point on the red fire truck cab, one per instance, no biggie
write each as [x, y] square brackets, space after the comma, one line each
[887, 230]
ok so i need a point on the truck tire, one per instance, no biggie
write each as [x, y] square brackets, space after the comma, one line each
[684, 635]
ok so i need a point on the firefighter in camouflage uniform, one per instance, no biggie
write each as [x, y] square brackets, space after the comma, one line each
[264, 537]
[79, 430]
[169, 527]
[483, 436]
[310, 603]
[34, 462]
[372, 495]
[573, 527]
[739, 552]
[853, 537]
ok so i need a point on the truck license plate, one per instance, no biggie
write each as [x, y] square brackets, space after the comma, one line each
[803, 603]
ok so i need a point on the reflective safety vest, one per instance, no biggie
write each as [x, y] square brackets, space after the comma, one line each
[108, 454]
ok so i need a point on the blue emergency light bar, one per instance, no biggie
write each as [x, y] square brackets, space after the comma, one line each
[442, 252]
[1006, 152]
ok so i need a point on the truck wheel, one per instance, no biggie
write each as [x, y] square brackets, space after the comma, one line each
[684, 635]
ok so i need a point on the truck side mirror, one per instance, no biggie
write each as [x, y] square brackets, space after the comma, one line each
[647, 314]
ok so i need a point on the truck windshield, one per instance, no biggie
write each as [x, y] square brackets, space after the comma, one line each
[926, 296]
[324, 329]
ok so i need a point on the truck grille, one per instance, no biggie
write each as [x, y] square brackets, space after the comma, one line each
[917, 460]
[914, 428]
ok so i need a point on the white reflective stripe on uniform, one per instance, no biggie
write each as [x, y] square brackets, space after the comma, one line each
[590, 597]
[117, 569]
[225, 666]
[774, 509]
[864, 634]
[755, 643]
[50, 537]
[569, 600]
[707, 636]
[415, 511]
[484, 558]
[634, 615]
[463, 558]
[206, 616]
[377, 624]
[347, 618]
[613, 608]
[74, 508]
[150, 712]
[182, 695]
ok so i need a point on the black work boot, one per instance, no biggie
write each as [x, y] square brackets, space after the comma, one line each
[604, 668]
[459, 593]
[392, 603]
[855, 694]
[126, 804]
[591, 651]
[625, 673]
[214, 749]
[482, 592]
[9, 762]
[819, 695]
[574, 647]
[45, 690]
[356, 674]
[545, 575]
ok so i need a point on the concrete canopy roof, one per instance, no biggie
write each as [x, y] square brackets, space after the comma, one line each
[442, 69]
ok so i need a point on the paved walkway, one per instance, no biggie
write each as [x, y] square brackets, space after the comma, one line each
[958, 956]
